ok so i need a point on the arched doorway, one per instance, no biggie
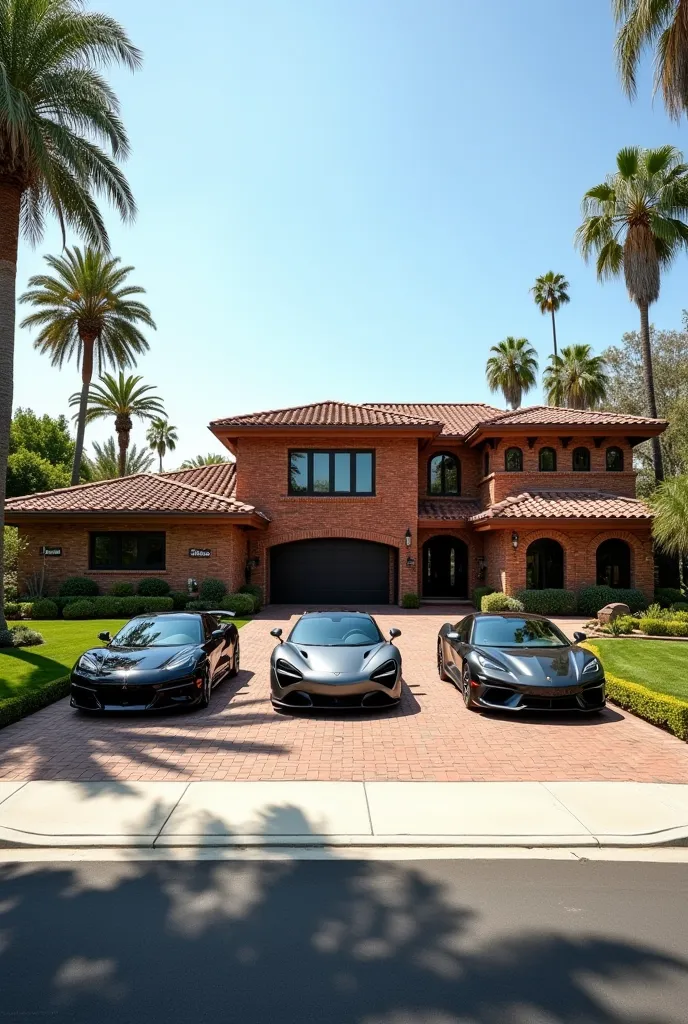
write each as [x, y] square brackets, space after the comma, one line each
[545, 565]
[445, 567]
[614, 563]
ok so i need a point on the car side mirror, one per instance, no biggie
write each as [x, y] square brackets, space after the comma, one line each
[277, 633]
[105, 636]
[579, 637]
[453, 636]
[217, 634]
[394, 632]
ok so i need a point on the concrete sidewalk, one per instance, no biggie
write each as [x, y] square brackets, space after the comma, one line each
[461, 814]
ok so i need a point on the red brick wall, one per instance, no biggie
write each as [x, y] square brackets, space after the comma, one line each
[228, 545]
[262, 480]
[470, 459]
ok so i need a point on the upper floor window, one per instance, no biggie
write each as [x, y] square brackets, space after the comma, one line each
[486, 462]
[444, 474]
[581, 460]
[513, 460]
[127, 551]
[332, 472]
[548, 460]
[615, 460]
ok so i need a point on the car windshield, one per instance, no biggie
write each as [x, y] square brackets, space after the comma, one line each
[499, 632]
[159, 632]
[335, 631]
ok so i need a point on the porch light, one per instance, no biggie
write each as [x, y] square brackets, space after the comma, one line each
[408, 538]
[514, 540]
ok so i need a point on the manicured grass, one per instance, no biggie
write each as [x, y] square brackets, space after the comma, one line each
[659, 665]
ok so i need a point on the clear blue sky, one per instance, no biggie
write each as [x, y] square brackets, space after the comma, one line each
[351, 198]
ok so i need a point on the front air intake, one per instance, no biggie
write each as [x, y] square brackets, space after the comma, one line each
[386, 674]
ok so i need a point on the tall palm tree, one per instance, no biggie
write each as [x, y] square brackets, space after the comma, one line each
[635, 223]
[60, 138]
[670, 524]
[551, 292]
[204, 460]
[124, 398]
[512, 369]
[104, 465]
[576, 378]
[663, 26]
[162, 437]
[87, 310]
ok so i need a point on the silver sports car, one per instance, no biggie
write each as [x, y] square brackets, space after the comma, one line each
[335, 660]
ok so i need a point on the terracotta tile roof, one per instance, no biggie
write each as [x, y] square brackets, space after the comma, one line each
[141, 492]
[326, 414]
[566, 505]
[447, 508]
[219, 478]
[457, 418]
[544, 415]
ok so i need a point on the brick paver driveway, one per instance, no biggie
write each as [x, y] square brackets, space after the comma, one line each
[430, 736]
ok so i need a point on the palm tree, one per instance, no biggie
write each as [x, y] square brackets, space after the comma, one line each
[550, 292]
[162, 437]
[661, 25]
[512, 369]
[124, 398]
[105, 464]
[576, 378]
[60, 138]
[635, 222]
[670, 525]
[204, 460]
[87, 309]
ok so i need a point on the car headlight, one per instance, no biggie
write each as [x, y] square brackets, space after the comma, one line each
[592, 666]
[488, 665]
[87, 663]
[386, 674]
[286, 673]
[185, 659]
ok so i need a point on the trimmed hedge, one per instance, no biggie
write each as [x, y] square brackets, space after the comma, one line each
[410, 601]
[500, 603]
[14, 708]
[548, 602]
[81, 610]
[79, 586]
[180, 599]
[212, 590]
[680, 606]
[667, 596]
[240, 604]
[663, 627]
[199, 606]
[591, 599]
[256, 593]
[153, 587]
[116, 607]
[661, 709]
[479, 593]
[44, 608]
[12, 610]
[122, 590]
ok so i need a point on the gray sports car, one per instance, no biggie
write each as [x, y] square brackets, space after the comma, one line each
[335, 660]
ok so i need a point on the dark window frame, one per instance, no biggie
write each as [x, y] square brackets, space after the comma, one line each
[578, 469]
[547, 448]
[614, 469]
[486, 462]
[513, 448]
[444, 493]
[331, 452]
[117, 565]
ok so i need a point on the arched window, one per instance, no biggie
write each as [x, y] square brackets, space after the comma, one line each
[615, 460]
[513, 460]
[548, 460]
[486, 462]
[614, 564]
[581, 460]
[444, 474]
[544, 565]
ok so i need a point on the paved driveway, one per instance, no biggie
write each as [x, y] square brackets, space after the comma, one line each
[430, 736]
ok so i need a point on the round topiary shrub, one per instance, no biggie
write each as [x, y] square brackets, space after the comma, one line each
[78, 586]
[212, 590]
[500, 603]
[20, 636]
[240, 604]
[410, 600]
[256, 593]
[479, 593]
[44, 608]
[153, 587]
[180, 599]
[122, 590]
[80, 610]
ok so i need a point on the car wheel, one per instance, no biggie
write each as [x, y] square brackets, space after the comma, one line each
[234, 671]
[466, 688]
[205, 693]
[443, 674]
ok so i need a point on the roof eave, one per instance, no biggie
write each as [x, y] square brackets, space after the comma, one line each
[635, 432]
[26, 517]
[567, 522]
[228, 434]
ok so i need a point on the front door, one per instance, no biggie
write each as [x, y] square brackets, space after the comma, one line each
[445, 568]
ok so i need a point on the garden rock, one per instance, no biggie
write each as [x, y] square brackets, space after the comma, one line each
[610, 612]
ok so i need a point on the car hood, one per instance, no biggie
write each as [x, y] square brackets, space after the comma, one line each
[346, 659]
[558, 666]
[115, 660]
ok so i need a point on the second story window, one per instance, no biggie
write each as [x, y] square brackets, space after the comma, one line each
[548, 460]
[332, 472]
[513, 460]
[444, 474]
[581, 460]
[615, 460]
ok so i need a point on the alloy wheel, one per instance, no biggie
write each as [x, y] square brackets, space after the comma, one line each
[466, 687]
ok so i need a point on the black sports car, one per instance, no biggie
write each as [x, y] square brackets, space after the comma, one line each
[517, 662]
[335, 660]
[171, 659]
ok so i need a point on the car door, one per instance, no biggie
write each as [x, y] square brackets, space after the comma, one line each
[213, 647]
[459, 647]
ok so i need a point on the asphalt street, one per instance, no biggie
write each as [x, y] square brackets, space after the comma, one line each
[344, 942]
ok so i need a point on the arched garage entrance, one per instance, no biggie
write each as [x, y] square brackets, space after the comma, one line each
[331, 571]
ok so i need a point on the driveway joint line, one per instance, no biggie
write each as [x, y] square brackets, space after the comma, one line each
[569, 811]
[15, 791]
[370, 817]
[172, 810]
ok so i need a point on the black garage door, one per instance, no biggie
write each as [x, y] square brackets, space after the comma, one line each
[348, 572]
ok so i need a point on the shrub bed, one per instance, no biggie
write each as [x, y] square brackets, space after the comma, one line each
[116, 607]
[500, 603]
[153, 587]
[180, 599]
[79, 586]
[44, 608]
[410, 600]
[591, 599]
[20, 636]
[122, 590]
[479, 593]
[256, 593]
[212, 590]
[14, 708]
[240, 604]
[663, 627]
[548, 602]
[666, 596]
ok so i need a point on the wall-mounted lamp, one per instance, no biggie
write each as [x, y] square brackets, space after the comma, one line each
[514, 540]
[408, 538]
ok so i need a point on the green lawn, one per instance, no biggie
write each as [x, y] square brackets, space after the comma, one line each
[658, 664]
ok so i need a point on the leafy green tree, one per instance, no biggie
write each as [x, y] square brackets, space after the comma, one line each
[635, 222]
[670, 525]
[576, 378]
[47, 436]
[211, 459]
[512, 369]
[104, 465]
[661, 25]
[61, 136]
[28, 473]
[551, 292]
[162, 437]
[88, 310]
[124, 398]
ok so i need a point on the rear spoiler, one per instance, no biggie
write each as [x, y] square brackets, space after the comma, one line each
[222, 614]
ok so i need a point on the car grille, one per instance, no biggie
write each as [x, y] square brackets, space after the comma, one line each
[566, 703]
[129, 697]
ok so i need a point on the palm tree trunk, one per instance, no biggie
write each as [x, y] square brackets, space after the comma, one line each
[650, 400]
[86, 376]
[123, 427]
[10, 202]
[554, 333]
